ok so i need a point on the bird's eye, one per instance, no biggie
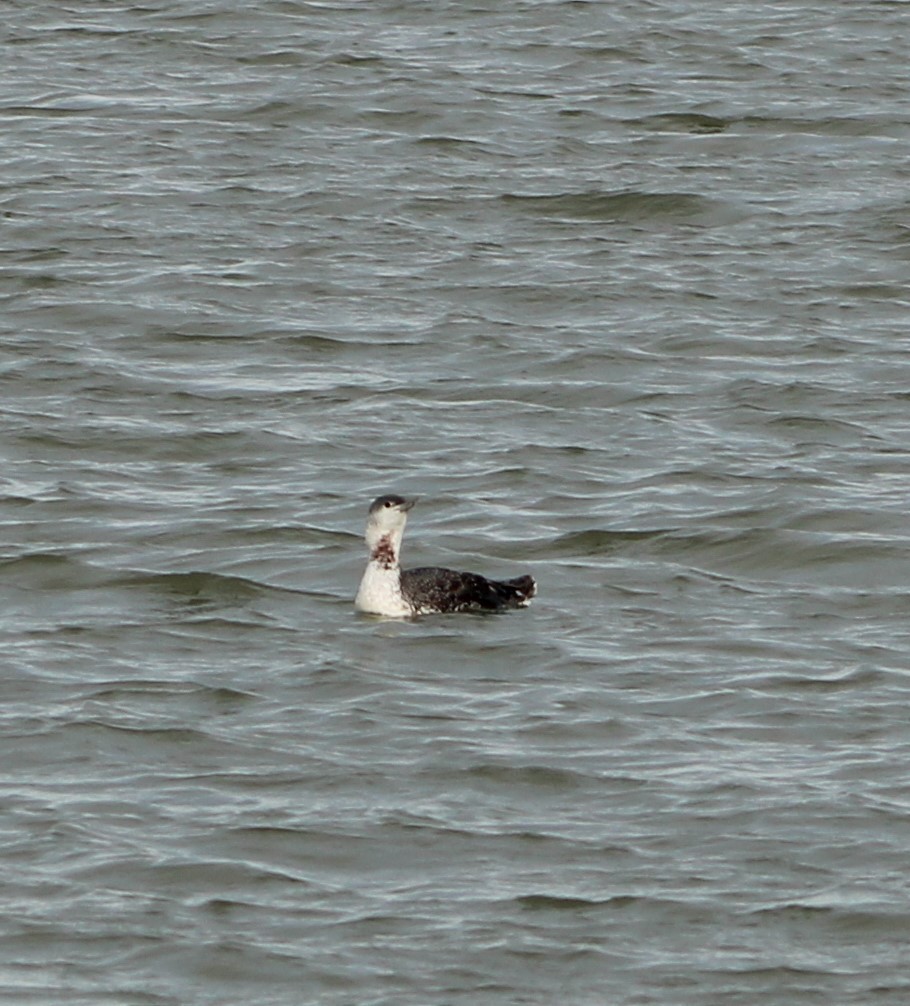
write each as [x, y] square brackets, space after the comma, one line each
[387, 504]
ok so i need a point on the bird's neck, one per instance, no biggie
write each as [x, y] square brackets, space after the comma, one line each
[385, 549]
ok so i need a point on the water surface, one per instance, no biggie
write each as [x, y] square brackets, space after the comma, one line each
[619, 290]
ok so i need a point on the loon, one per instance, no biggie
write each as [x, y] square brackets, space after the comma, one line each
[387, 589]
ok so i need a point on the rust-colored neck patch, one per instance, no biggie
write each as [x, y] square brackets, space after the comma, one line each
[384, 552]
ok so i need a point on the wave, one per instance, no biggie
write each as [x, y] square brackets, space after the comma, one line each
[628, 206]
[55, 571]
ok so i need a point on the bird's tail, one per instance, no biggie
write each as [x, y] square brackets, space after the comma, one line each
[517, 593]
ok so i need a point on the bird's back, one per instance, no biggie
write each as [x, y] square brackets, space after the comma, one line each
[433, 589]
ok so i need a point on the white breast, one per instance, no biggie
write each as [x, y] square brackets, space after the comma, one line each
[380, 592]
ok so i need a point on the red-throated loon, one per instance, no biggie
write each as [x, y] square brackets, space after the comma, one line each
[387, 589]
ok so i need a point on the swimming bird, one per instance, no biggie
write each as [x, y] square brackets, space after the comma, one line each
[387, 589]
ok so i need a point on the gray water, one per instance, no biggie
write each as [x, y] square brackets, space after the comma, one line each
[620, 290]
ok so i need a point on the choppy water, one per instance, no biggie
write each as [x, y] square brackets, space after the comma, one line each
[620, 290]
